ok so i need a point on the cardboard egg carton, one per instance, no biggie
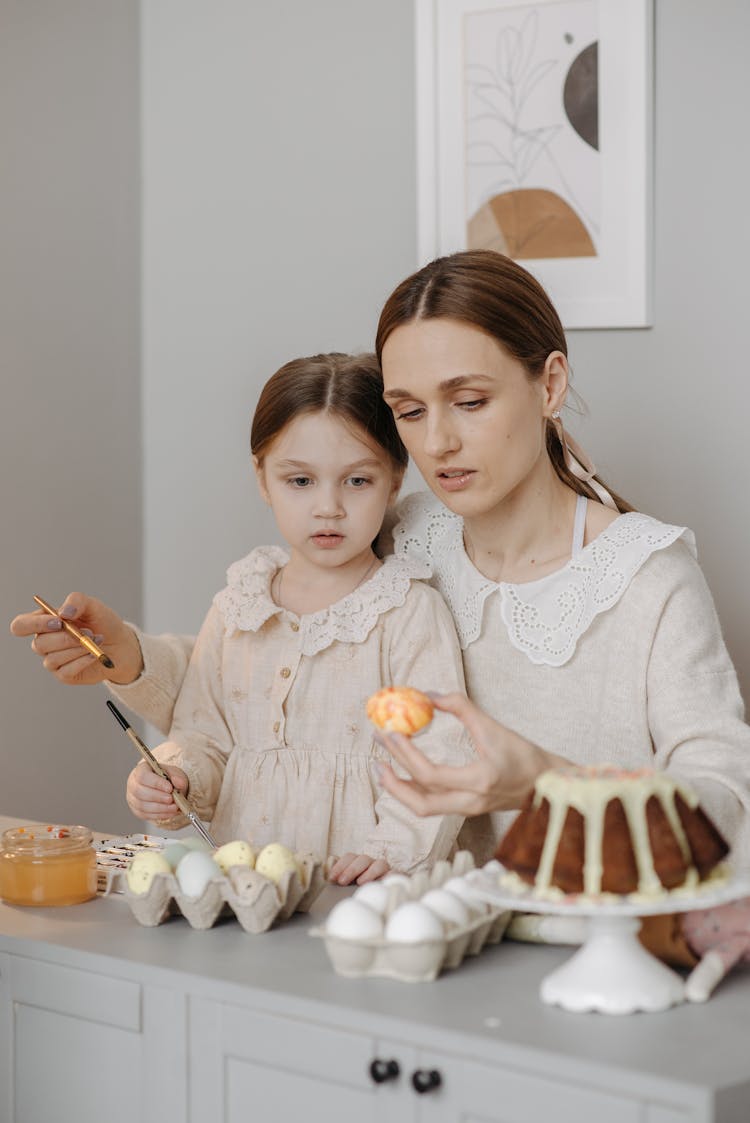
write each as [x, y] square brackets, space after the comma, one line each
[256, 901]
[420, 961]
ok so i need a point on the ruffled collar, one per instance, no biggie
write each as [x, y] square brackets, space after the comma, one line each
[544, 618]
[246, 602]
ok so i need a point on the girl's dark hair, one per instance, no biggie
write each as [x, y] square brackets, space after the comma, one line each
[493, 293]
[348, 386]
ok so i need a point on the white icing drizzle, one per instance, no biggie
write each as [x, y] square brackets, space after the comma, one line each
[589, 790]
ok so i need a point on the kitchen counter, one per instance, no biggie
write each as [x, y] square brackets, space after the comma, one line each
[218, 1007]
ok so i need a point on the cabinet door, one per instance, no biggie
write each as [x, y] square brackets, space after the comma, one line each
[478, 1093]
[85, 1046]
[252, 1067]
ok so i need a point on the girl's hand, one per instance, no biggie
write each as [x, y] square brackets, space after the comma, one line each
[357, 867]
[149, 796]
[63, 655]
[500, 778]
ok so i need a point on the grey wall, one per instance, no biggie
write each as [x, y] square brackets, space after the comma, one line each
[277, 196]
[69, 377]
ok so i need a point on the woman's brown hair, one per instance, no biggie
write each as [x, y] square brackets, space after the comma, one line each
[493, 293]
[348, 386]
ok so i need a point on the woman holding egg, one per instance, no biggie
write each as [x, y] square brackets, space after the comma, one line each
[587, 630]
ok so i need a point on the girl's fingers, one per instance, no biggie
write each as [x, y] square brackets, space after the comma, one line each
[357, 865]
[378, 868]
[340, 865]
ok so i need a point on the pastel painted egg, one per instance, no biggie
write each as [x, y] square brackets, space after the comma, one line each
[142, 870]
[450, 908]
[353, 920]
[196, 843]
[399, 709]
[174, 852]
[413, 922]
[238, 853]
[274, 860]
[195, 871]
[375, 894]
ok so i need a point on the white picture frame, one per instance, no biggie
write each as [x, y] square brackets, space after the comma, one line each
[534, 137]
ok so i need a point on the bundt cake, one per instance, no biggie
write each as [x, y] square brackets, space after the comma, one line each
[599, 829]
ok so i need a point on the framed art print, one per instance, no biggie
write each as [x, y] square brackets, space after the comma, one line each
[534, 140]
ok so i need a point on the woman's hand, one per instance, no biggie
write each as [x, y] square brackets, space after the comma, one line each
[64, 656]
[500, 778]
[357, 867]
[150, 796]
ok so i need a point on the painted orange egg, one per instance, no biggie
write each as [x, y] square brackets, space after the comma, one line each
[399, 709]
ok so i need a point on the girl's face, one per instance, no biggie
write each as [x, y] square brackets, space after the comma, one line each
[469, 415]
[328, 484]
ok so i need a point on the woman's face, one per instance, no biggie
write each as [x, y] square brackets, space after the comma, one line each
[471, 418]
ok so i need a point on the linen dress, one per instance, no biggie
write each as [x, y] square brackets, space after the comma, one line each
[616, 657]
[270, 722]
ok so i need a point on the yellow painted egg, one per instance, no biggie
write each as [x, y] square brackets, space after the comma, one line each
[142, 870]
[274, 860]
[237, 853]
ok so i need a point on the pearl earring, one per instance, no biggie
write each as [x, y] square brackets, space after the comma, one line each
[555, 414]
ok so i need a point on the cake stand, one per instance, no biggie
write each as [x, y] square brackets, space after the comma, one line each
[611, 972]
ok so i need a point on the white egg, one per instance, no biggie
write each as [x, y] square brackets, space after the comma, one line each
[447, 906]
[397, 879]
[237, 853]
[461, 888]
[375, 894]
[411, 923]
[353, 920]
[195, 871]
[274, 860]
[142, 869]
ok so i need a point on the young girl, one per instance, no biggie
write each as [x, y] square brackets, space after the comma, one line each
[269, 735]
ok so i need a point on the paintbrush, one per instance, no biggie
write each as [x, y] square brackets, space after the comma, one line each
[154, 765]
[89, 644]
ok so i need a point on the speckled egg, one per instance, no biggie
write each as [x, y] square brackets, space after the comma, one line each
[195, 871]
[413, 922]
[142, 870]
[237, 853]
[354, 920]
[274, 860]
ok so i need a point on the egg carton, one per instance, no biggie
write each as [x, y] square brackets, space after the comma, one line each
[420, 961]
[255, 900]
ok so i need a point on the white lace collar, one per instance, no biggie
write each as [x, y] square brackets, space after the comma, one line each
[246, 602]
[544, 618]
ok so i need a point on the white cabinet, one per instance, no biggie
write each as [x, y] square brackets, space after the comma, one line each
[251, 1066]
[86, 1047]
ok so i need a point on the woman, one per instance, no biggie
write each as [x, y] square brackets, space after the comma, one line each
[587, 629]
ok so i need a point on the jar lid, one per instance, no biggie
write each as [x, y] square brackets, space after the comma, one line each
[37, 838]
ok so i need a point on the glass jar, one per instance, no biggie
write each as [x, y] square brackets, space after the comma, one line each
[49, 865]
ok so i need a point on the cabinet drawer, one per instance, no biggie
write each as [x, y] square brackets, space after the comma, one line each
[306, 1048]
[80, 994]
[471, 1091]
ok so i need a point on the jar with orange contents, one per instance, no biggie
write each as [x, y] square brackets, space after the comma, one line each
[47, 866]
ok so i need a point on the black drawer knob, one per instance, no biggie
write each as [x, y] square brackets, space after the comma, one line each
[380, 1071]
[426, 1080]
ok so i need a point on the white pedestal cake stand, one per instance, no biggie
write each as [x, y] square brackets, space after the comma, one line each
[611, 972]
